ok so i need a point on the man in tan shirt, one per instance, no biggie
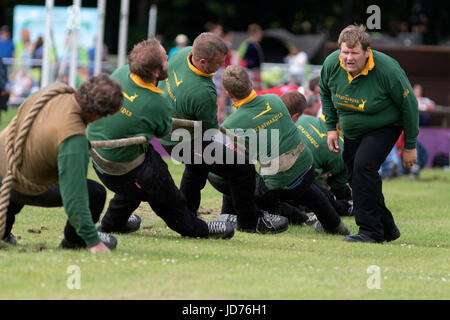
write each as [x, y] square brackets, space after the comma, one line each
[55, 158]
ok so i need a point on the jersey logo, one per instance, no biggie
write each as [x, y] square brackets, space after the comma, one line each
[321, 135]
[268, 108]
[176, 80]
[360, 107]
[130, 98]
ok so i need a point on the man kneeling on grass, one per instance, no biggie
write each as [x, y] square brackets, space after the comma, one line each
[288, 171]
[55, 159]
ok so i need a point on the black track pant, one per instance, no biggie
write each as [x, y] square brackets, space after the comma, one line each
[150, 182]
[230, 165]
[52, 198]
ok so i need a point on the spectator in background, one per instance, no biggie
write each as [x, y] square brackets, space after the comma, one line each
[6, 43]
[222, 96]
[4, 90]
[91, 54]
[216, 28]
[37, 49]
[21, 86]
[24, 50]
[181, 41]
[251, 55]
[314, 92]
[312, 106]
[425, 104]
[297, 60]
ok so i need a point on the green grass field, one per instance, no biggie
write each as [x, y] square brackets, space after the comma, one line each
[156, 263]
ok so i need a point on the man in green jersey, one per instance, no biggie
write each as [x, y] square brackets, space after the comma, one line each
[137, 173]
[314, 135]
[368, 93]
[286, 164]
[56, 154]
[193, 97]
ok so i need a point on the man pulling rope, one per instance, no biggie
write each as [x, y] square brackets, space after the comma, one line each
[44, 159]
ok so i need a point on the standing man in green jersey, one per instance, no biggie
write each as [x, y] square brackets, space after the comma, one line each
[193, 96]
[368, 93]
[137, 173]
[56, 154]
[286, 166]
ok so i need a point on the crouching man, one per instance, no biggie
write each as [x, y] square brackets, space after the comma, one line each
[49, 169]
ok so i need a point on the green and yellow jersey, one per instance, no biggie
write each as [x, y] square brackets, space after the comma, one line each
[380, 95]
[314, 134]
[191, 92]
[268, 112]
[146, 111]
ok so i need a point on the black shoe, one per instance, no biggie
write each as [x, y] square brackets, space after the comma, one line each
[292, 213]
[392, 235]
[10, 239]
[133, 224]
[109, 241]
[268, 223]
[232, 218]
[312, 219]
[220, 229]
[350, 208]
[360, 237]
[340, 229]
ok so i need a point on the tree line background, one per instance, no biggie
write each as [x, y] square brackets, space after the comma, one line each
[299, 17]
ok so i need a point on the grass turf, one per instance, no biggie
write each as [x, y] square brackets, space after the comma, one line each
[156, 263]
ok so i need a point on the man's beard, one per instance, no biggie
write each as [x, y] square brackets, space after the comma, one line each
[163, 75]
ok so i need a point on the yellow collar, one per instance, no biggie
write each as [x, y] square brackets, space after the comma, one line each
[143, 84]
[250, 97]
[195, 70]
[370, 64]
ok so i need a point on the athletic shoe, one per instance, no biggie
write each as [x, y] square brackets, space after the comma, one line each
[268, 223]
[340, 229]
[109, 240]
[232, 218]
[392, 235]
[10, 239]
[312, 219]
[220, 230]
[360, 237]
[350, 208]
[133, 224]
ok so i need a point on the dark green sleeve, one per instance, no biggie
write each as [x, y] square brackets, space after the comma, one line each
[206, 111]
[403, 96]
[73, 160]
[328, 109]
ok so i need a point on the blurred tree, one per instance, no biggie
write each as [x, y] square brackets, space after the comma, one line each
[307, 16]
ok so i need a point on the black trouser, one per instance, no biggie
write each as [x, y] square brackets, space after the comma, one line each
[274, 207]
[52, 198]
[363, 158]
[340, 205]
[150, 182]
[240, 177]
[306, 193]
[342, 192]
